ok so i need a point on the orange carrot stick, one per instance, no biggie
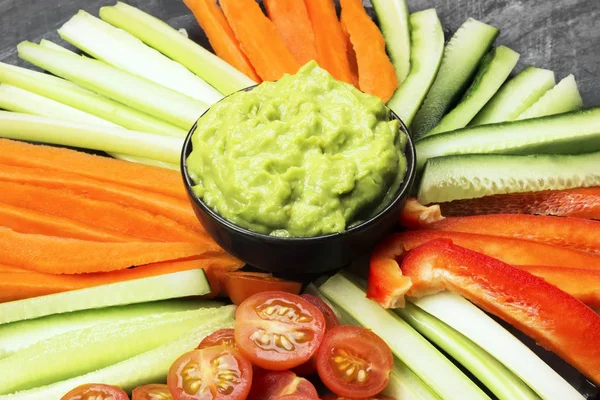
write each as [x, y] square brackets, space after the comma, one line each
[376, 73]
[221, 37]
[144, 177]
[127, 220]
[350, 53]
[73, 256]
[329, 38]
[291, 20]
[155, 203]
[23, 220]
[259, 39]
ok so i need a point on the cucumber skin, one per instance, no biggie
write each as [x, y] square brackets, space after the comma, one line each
[427, 48]
[570, 133]
[149, 367]
[562, 98]
[462, 56]
[493, 72]
[472, 176]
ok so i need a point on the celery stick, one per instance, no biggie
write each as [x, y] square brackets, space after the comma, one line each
[443, 377]
[122, 86]
[47, 130]
[123, 50]
[53, 46]
[82, 99]
[562, 98]
[78, 352]
[19, 335]
[161, 287]
[470, 321]
[493, 374]
[149, 367]
[157, 34]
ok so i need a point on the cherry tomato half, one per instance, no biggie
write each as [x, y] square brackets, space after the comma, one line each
[354, 362]
[296, 397]
[151, 392]
[336, 397]
[272, 385]
[278, 330]
[331, 320]
[212, 373]
[241, 285]
[96, 391]
[222, 337]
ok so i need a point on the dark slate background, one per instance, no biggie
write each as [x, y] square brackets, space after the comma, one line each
[561, 35]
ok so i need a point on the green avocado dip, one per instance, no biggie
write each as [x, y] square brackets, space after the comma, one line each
[304, 156]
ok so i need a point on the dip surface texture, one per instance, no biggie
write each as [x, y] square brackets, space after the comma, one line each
[304, 156]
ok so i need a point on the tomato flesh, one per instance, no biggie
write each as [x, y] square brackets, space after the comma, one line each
[96, 391]
[354, 362]
[222, 337]
[274, 384]
[336, 397]
[151, 392]
[212, 373]
[331, 320]
[241, 285]
[278, 330]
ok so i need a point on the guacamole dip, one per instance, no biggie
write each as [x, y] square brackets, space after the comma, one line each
[304, 156]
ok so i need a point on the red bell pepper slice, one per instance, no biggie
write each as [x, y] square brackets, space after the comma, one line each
[387, 285]
[575, 233]
[415, 215]
[581, 203]
[553, 318]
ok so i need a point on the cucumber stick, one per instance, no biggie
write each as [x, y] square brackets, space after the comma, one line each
[77, 352]
[516, 96]
[562, 98]
[569, 133]
[161, 287]
[426, 50]
[393, 22]
[149, 367]
[19, 335]
[444, 378]
[472, 176]
[493, 71]
[480, 328]
[462, 55]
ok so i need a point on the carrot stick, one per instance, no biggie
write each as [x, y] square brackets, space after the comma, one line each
[73, 256]
[329, 39]
[291, 20]
[350, 53]
[144, 177]
[221, 37]
[23, 220]
[126, 220]
[259, 39]
[376, 73]
[155, 203]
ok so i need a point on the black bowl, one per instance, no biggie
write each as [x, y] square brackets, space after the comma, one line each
[298, 256]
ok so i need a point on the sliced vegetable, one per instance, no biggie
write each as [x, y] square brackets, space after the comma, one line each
[331, 320]
[394, 23]
[416, 352]
[493, 71]
[569, 133]
[221, 37]
[222, 337]
[484, 331]
[82, 99]
[291, 20]
[240, 285]
[527, 302]
[96, 391]
[415, 215]
[495, 376]
[175, 285]
[516, 96]
[350, 53]
[278, 330]
[329, 39]
[259, 39]
[157, 34]
[468, 176]
[564, 97]
[151, 392]
[426, 50]
[218, 372]
[581, 203]
[124, 51]
[462, 55]
[573, 233]
[273, 385]
[376, 74]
